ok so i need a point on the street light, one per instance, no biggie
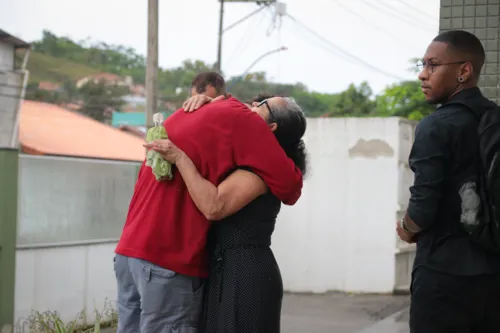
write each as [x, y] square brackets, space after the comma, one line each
[283, 48]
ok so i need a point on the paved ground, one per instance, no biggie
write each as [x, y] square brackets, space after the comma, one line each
[396, 323]
[342, 313]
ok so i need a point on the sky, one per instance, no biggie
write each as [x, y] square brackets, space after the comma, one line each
[325, 39]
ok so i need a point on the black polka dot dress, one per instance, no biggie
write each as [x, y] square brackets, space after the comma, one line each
[245, 289]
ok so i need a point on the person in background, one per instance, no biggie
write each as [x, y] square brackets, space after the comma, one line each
[211, 84]
[245, 286]
[455, 282]
[161, 262]
[196, 101]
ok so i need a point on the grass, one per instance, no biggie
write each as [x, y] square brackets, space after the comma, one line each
[44, 67]
[50, 322]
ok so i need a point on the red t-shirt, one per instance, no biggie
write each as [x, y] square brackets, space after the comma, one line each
[163, 224]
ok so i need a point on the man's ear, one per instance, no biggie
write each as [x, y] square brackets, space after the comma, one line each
[273, 126]
[210, 91]
[467, 71]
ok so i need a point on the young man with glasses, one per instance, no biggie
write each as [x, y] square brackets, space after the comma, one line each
[455, 282]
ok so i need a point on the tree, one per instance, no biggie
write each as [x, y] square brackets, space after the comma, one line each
[404, 99]
[355, 101]
[100, 99]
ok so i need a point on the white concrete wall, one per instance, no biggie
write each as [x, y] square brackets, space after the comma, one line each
[339, 236]
[68, 280]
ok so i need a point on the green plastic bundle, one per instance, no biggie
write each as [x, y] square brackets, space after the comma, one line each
[162, 169]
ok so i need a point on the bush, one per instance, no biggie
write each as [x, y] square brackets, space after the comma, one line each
[50, 322]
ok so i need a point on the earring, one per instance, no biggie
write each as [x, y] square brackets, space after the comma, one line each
[461, 79]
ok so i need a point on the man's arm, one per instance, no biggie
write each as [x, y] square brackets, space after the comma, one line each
[255, 147]
[428, 158]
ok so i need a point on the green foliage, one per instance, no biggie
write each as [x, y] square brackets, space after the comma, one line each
[354, 102]
[50, 322]
[44, 67]
[33, 93]
[62, 60]
[404, 99]
[104, 57]
[99, 98]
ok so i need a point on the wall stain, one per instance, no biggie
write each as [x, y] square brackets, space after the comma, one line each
[371, 149]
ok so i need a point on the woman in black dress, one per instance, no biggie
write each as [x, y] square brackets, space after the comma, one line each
[245, 289]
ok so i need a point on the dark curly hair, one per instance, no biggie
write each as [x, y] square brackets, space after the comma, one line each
[291, 128]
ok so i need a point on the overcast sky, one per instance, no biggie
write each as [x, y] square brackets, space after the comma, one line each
[384, 34]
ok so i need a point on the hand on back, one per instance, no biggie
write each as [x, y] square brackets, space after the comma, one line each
[196, 102]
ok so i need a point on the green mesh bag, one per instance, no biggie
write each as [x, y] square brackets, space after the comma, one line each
[162, 169]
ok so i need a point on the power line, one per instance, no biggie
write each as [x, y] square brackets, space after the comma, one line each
[407, 5]
[358, 60]
[251, 30]
[324, 46]
[404, 15]
[402, 19]
[377, 27]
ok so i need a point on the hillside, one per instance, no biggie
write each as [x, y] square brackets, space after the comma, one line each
[44, 67]
[59, 59]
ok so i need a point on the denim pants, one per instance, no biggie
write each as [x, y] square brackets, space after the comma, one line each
[152, 299]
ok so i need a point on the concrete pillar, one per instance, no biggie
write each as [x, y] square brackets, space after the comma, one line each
[9, 160]
[482, 18]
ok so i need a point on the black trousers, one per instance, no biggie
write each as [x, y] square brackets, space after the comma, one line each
[442, 303]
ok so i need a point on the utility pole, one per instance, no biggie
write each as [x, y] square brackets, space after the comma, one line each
[221, 31]
[218, 65]
[152, 63]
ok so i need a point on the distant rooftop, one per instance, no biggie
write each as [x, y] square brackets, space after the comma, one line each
[8, 38]
[47, 129]
[136, 119]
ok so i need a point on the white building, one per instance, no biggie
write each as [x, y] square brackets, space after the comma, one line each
[11, 86]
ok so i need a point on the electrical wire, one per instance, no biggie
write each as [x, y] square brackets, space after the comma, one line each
[347, 54]
[398, 12]
[278, 70]
[377, 27]
[402, 19]
[243, 42]
[324, 46]
[417, 10]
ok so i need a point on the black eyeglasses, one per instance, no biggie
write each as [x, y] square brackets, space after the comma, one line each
[264, 102]
[432, 67]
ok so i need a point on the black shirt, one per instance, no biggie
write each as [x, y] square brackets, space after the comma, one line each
[443, 159]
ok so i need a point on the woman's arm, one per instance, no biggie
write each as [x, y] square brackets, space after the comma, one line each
[235, 192]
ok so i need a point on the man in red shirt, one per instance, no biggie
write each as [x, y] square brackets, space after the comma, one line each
[160, 261]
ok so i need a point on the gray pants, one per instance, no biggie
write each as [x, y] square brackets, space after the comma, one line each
[152, 299]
